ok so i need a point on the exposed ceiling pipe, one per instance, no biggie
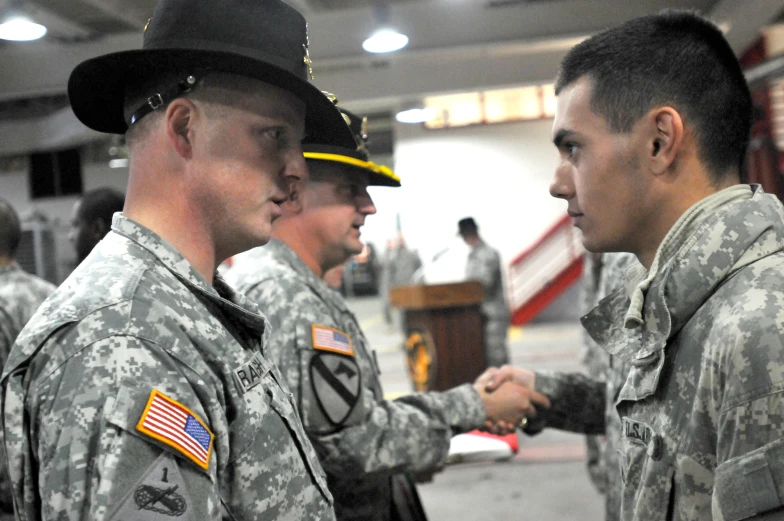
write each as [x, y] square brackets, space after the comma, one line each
[766, 71]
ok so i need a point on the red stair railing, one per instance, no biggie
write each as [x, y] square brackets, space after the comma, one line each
[544, 271]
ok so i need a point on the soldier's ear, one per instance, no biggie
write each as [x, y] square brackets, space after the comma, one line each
[179, 118]
[666, 139]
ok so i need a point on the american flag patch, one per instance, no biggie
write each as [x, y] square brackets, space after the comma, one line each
[170, 422]
[328, 339]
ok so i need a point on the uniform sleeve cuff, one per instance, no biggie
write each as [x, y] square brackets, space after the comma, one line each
[466, 410]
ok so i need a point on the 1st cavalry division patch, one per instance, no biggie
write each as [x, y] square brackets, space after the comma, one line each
[173, 424]
[335, 381]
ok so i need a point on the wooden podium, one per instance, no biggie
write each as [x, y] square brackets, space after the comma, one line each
[444, 333]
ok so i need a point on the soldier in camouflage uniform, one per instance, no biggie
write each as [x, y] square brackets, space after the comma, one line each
[20, 292]
[602, 454]
[361, 438]
[484, 265]
[652, 125]
[20, 296]
[142, 389]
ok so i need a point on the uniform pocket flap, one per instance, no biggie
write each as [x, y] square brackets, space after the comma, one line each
[750, 484]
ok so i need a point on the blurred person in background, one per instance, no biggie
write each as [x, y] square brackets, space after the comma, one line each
[20, 296]
[400, 266]
[484, 265]
[21, 293]
[603, 276]
[91, 219]
[334, 277]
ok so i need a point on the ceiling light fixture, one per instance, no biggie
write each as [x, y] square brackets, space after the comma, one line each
[21, 29]
[16, 26]
[385, 40]
[415, 115]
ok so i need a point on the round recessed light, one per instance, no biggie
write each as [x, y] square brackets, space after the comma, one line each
[385, 40]
[21, 29]
[415, 115]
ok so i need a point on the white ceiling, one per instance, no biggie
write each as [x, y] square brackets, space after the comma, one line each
[455, 45]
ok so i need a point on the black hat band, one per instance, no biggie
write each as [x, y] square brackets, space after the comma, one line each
[163, 98]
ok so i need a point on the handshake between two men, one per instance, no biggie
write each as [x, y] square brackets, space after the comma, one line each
[509, 398]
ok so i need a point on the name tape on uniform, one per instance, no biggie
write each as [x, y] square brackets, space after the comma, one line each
[329, 339]
[250, 374]
[173, 424]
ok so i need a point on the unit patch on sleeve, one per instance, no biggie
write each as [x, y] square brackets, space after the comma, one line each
[173, 424]
[329, 339]
[335, 381]
[160, 494]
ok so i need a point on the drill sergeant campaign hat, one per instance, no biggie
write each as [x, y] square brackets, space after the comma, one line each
[355, 157]
[261, 39]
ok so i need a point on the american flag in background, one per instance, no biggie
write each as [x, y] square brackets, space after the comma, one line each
[175, 425]
[331, 340]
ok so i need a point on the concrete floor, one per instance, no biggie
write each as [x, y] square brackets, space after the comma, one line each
[545, 481]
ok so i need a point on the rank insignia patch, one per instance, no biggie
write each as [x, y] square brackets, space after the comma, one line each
[335, 381]
[173, 424]
[329, 339]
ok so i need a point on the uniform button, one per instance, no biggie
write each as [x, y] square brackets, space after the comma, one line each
[656, 447]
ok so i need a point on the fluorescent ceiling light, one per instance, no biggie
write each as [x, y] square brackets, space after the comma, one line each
[415, 115]
[21, 29]
[385, 40]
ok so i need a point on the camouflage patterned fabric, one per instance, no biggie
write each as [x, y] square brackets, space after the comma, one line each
[484, 265]
[603, 461]
[133, 318]
[20, 295]
[361, 438]
[702, 408]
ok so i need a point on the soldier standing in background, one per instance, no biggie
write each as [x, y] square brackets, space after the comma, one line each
[400, 265]
[365, 442]
[20, 292]
[91, 219]
[484, 265]
[20, 296]
[141, 389]
[604, 276]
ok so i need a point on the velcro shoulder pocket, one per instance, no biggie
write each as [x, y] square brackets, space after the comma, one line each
[750, 484]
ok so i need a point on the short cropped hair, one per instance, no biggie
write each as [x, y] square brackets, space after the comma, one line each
[101, 203]
[677, 59]
[218, 88]
[10, 230]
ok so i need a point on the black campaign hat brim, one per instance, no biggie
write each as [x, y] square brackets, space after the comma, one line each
[97, 87]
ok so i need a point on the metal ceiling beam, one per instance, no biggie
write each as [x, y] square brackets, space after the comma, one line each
[744, 20]
[42, 68]
[58, 131]
[55, 24]
[122, 10]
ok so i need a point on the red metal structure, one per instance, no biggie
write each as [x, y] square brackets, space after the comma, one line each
[544, 271]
